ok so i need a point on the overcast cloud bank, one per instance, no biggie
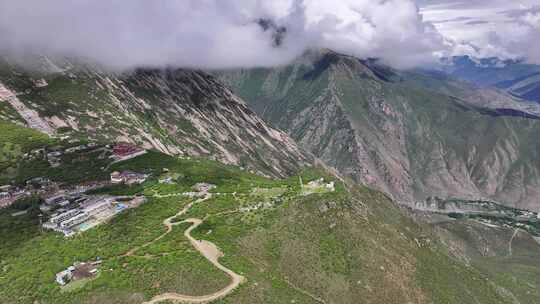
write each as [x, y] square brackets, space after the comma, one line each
[123, 34]
[488, 28]
[216, 33]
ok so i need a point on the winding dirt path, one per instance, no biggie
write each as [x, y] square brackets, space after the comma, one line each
[511, 240]
[169, 224]
[209, 250]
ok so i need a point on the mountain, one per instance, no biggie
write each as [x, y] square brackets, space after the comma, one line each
[495, 98]
[291, 240]
[513, 76]
[527, 87]
[386, 129]
[178, 112]
[209, 230]
[487, 71]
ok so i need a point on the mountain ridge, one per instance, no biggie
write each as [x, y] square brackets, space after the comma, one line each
[396, 135]
[304, 239]
[180, 112]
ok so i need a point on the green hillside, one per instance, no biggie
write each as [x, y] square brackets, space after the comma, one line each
[336, 247]
[507, 255]
[15, 141]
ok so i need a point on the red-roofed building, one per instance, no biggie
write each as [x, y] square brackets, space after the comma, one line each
[125, 149]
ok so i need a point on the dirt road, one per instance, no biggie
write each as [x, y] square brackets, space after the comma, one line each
[511, 240]
[209, 250]
[211, 253]
[169, 225]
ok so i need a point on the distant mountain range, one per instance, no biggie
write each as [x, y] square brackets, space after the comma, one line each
[517, 77]
[526, 87]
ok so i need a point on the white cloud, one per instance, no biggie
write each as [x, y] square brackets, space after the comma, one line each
[216, 33]
[485, 28]
[392, 29]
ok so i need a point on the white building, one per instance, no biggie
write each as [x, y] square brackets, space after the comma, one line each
[64, 277]
[128, 177]
[6, 188]
[98, 207]
[59, 199]
[55, 154]
[203, 187]
[167, 180]
[78, 219]
[40, 83]
[64, 216]
[49, 225]
[117, 178]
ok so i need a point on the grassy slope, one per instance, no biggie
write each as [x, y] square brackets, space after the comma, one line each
[488, 249]
[76, 98]
[346, 254]
[14, 142]
[340, 246]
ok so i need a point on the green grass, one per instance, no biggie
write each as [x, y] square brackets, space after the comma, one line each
[31, 259]
[341, 246]
[15, 141]
[196, 170]
[75, 168]
[74, 286]
[8, 113]
[487, 249]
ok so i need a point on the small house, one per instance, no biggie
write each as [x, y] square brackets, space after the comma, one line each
[64, 277]
[6, 188]
[4, 195]
[116, 178]
[56, 200]
[128, 177]
[167, 180]
[126, 151]
[203, 187]
[40, 83]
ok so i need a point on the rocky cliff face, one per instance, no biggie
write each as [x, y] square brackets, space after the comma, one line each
[174, 111]
[379, 128]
